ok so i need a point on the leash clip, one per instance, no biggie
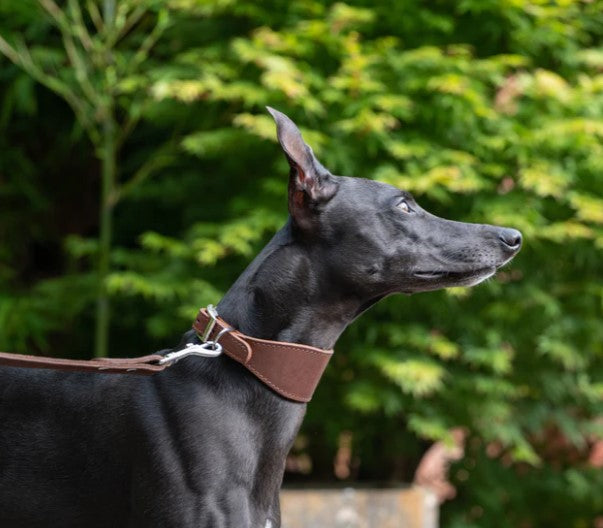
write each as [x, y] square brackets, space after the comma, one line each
[208, 348]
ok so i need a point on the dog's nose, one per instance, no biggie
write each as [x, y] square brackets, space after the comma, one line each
[511, 238]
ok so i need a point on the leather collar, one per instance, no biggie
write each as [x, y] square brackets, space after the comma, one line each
[289, 369]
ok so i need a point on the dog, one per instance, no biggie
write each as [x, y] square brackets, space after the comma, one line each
[203, 443]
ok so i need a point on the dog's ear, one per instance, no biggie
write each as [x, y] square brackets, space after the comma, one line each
[310, 184]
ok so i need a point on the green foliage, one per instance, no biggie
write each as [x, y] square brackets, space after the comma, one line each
[487, 111]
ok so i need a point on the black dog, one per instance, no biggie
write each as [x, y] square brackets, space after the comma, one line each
[203, 444]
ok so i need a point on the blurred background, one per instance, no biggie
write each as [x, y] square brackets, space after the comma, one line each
[139, 174]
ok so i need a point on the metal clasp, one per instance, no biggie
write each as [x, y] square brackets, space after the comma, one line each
[208, 348]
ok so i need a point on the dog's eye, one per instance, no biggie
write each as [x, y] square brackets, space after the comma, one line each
[403, 206]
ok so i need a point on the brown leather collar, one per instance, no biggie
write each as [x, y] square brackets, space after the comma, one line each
[290, 369]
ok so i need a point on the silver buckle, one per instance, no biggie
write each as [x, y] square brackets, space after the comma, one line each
[207, 348]
[213, 314]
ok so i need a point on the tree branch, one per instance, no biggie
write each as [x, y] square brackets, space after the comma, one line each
[127, 23]
[80, 26]
[21, 57]
[148, 43]
[163, 158]
[95, 16]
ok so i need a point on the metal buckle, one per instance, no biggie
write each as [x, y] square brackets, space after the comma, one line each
[207, 348]
[213, 314]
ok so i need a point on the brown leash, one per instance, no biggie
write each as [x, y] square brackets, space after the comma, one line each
[141, 365]
[290, 369]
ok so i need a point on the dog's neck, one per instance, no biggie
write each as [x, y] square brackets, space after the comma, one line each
[286, 294]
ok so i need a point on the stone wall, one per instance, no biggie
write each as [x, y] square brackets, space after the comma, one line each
[410, 507]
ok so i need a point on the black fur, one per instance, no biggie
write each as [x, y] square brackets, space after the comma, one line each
[203, 444]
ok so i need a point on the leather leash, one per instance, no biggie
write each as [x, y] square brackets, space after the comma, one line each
[140, 365]
[290, 369]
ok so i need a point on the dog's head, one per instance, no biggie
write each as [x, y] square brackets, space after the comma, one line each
[376, 235]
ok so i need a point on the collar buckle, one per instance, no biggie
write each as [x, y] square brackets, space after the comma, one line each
[213, 314]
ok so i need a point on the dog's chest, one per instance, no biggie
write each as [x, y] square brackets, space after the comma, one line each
[210, 450]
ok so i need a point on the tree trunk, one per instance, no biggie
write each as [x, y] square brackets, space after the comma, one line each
[108, 155]
[105, 221]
